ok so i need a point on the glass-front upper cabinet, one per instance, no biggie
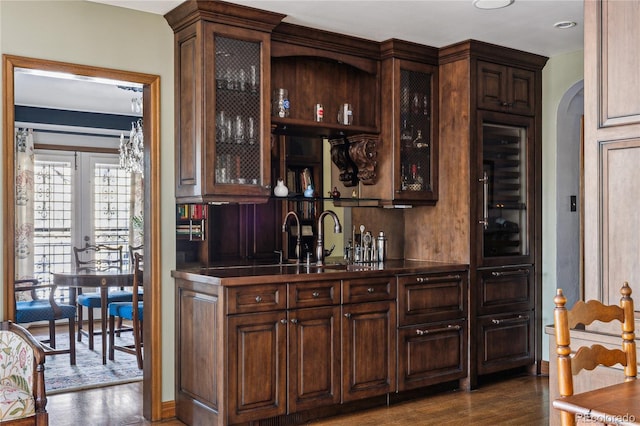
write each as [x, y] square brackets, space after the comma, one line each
[505, 188]
[222, 110]
[408, 154]
[238, 104]
[415, 134]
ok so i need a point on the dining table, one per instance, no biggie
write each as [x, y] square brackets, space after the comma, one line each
[77, 280]
[617, 404]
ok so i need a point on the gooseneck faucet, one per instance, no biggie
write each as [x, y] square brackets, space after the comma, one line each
[298, 235]
[337, 228]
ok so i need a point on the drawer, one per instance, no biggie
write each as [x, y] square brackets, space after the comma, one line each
[368, 289]
[256, 298]
[505, 341]
[426, 298]
[431, 353]
[505, 290]
[317, 293]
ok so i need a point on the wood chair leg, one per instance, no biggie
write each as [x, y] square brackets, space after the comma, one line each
[90, 327]
[72, 341]
[112, 321]
[137, 338]
[52, 334]
[79, 309]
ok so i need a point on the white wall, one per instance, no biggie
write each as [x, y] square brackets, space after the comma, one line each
[92, 34]
[560, 73]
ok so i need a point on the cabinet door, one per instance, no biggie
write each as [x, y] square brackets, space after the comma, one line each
[505, 290]
[426, 298]
[222, 114]
[505, 189]
[368, 350]
[431, 353]
[238, 95]
[505, 341]
[257, 356]
[416, 165]
[314, 358]
[506, 89]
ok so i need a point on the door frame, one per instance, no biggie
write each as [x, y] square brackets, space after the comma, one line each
[152, 371]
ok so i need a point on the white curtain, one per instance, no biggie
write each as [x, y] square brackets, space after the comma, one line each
[24, 168]
[136, 230]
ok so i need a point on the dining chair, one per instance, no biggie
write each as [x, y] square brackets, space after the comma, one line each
[571, 362]
[23, 398]
[132, 311]
[29, 307]
[102, 258]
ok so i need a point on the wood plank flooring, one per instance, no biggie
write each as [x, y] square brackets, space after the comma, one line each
[521, 400]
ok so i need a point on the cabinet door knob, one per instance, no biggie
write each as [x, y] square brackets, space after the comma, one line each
[371, 290]
[294, 321]
[315, 294]
[283, 321]
[347, 315]
[258, 299]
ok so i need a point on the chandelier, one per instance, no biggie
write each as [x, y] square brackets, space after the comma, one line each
[132, 149]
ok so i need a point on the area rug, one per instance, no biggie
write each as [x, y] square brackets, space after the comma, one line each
[88, 373]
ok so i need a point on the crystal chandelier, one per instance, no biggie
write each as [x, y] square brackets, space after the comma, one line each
[132, 149]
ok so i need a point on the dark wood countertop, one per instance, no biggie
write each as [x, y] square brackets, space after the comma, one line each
[334, 269]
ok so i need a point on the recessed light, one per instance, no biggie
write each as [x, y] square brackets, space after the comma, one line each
[492, 4]
[563, 25]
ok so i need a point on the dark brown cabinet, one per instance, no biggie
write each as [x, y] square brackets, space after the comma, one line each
[314, 345]
[257, 348]
[505, 325]
[408, 157]
[222, 102]
[431, 328]
[368, 353]
[506, 88]
[491, 107]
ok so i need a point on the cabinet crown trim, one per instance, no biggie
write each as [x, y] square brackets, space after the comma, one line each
[222, 13]
[491, 53]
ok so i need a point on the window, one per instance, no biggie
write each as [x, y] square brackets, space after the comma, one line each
[79, 197]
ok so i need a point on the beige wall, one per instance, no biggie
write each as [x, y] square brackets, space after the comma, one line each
[560, 73]
[92, 34]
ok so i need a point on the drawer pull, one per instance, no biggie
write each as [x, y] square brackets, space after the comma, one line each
[519, 318]
[347, 315]
[283, 321]
[371, 290]
[258, 299]
[294, 321]
[508, 273]
[315, 294]
[439, 278]
[438, 330]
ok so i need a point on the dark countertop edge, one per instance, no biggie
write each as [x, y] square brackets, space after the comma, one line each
[290, 273]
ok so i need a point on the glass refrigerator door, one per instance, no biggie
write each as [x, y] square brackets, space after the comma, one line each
[504, 191]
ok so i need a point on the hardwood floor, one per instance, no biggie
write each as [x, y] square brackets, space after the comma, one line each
[521, 400]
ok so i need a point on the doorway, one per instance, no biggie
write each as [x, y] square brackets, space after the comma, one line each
[152, 372]
[569, 193]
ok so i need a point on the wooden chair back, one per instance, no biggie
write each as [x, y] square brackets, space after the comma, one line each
[588, 358]
[132, 250]
[98, 257]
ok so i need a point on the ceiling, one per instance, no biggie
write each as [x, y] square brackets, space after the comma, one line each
[526, 25]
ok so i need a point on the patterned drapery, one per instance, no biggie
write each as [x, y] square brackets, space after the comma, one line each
[136, 230]
[24, 168]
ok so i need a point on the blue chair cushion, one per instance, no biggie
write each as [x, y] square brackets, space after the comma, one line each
[92, 300]
[125, 310]
[40, 310]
